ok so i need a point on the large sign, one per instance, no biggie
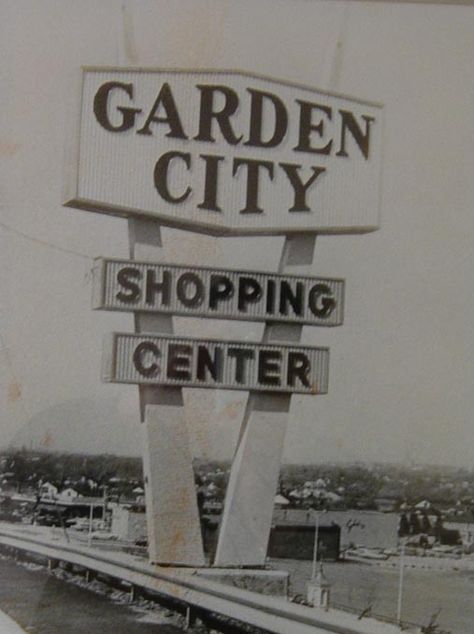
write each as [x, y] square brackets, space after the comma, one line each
[238, 365]
[216, 293]
[226, 153]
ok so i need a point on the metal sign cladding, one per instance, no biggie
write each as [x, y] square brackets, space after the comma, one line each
[128, 285]
[238, 365]
[225, 152]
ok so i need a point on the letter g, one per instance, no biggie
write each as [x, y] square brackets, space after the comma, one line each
[101, 101]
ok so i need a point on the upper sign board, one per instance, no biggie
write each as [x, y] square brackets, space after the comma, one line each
[225, 153]
[216, 293]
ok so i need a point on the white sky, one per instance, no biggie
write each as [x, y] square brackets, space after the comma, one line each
[401, 368]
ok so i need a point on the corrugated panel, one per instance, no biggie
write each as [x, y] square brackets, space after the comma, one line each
[116, 169]
[110, 294]
[120, 367]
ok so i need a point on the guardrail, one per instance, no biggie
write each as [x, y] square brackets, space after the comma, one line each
[208, 600]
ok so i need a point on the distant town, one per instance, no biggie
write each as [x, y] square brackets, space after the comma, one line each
[376, 518]
[363, 510]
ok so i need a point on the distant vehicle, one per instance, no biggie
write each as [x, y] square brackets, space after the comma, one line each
[447, 550]
[83, 523]
[103, 535]
[365, 553]
[47, 520]
[213, 507]
[10, 517]
[390, 552]
[78, 523]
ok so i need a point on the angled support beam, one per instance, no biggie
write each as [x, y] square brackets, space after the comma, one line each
[174, 531]
[248, 509]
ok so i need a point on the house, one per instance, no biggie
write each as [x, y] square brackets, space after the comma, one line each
[388, 500]
[280, 501]
[424, 505]
[48, 491]
[68, 494]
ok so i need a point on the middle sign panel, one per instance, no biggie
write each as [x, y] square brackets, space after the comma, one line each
[133, 286]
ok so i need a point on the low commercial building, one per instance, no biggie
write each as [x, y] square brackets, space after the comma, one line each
[128, 522]
[298, 541]
[59, 511]
[368, 529]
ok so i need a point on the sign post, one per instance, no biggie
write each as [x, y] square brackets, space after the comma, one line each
[174, 531]
[249, 502]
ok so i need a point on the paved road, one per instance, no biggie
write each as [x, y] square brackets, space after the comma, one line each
[43, 604]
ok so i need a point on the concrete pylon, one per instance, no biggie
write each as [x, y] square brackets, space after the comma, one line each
[248, 509]
[174, 530]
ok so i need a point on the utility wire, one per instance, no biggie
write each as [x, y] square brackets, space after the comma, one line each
[4, 351]
[44, 243]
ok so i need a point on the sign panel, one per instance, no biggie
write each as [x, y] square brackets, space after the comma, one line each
[226, 153]
[216, 293]
[237, 365]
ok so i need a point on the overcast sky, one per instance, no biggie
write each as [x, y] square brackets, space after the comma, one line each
[401, 366]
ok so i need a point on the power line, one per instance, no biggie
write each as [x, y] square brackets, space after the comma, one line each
[44, 243]
[4, 351]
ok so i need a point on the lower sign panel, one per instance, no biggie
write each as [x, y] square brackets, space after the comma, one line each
[209, 363]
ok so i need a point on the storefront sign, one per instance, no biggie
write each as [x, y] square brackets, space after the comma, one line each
[226, 153]
[217, 293]
[238, 365]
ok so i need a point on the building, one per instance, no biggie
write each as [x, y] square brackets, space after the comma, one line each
[48, 491]
[128, 522]
[388, 500]
[297, 542]
[68, 494]
[368, 529]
